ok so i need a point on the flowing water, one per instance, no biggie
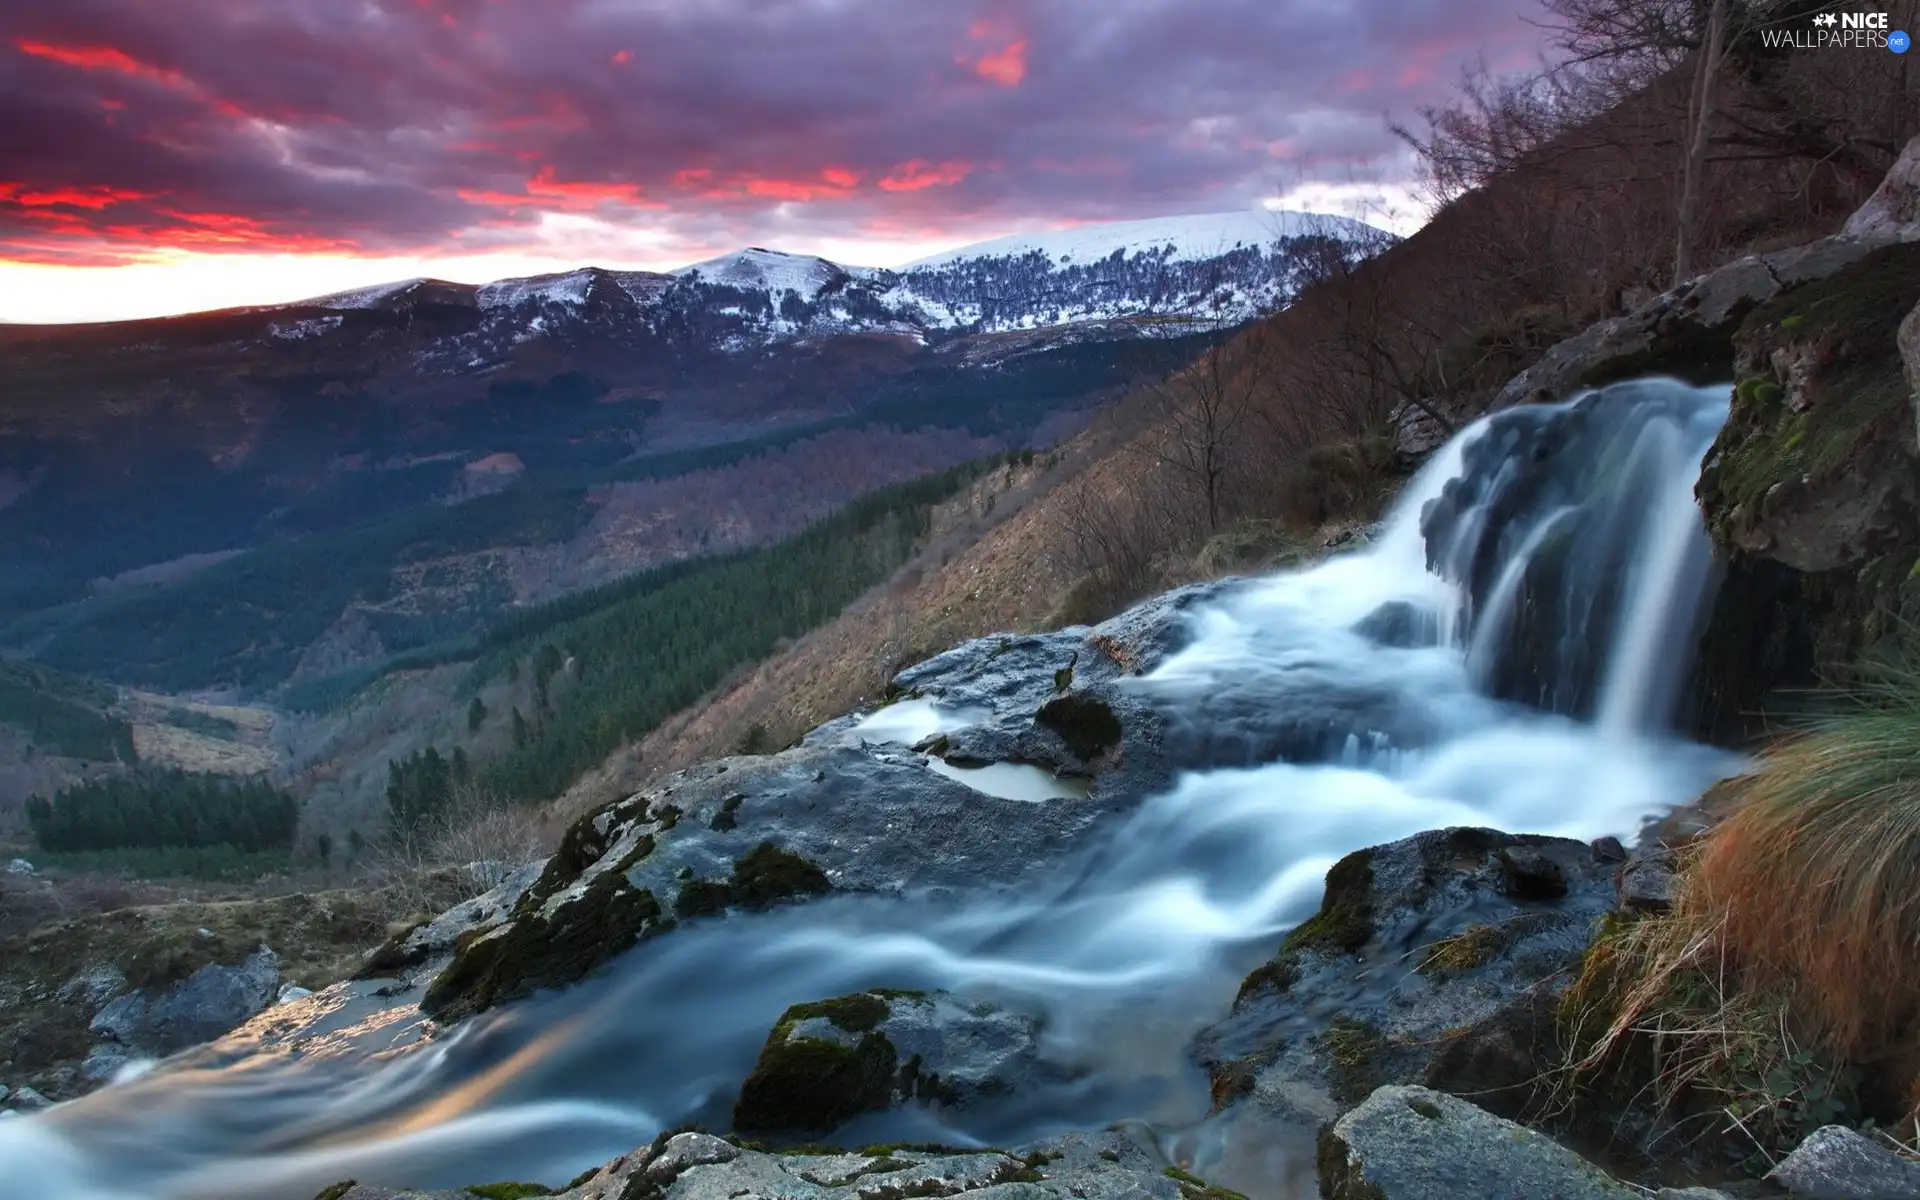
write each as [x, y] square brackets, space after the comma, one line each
[1505, 654]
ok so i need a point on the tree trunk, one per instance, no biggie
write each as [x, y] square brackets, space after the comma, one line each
[1705, 96]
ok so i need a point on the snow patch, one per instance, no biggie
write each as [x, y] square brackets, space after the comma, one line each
[1186, 239]
[368, 297]
[771, 271]
[569, 289]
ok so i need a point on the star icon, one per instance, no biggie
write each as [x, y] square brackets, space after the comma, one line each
[1826, 19]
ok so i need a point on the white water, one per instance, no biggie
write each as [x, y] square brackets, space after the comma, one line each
[1130, 953]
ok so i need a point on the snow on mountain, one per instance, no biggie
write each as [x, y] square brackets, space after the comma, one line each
[366, 297]
[772, 271]
[1215, 267]
[1178, 239]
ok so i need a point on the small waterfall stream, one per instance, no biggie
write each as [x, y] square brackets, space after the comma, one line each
[1507, 653]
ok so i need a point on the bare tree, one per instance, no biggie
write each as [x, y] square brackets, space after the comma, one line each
[1706, 87]
[1203, 410]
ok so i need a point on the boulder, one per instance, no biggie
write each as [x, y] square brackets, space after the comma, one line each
[1411, 1143]
[1835, 1163]
[1812, 491]
[155, 1022]
[27, 1100]
[1432, 960]
[19, 866]
[1892, 213]
[834, 1059]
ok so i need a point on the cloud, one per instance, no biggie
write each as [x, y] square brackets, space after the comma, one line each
[447, 128]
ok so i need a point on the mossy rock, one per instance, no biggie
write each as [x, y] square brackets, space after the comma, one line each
[1353, 1049]
[1345, 920]
[1472, 947]
[763, 878]
[510, 1191]
[540, 949]
[1085, 723]
[812, 1084]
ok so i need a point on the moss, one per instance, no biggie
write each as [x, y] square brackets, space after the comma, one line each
[768, 875]
[702, 898]
[1276, 976]
[394, 955]
[1345, 920]
[336, 1191]
[1353, 1049]
[1426, 1108]
[1086, 724]
[858, 1013]
[1847, 324]
[1231, 1081]
[580, 1180]
[815, 1084]
[1472, 947]
[544, 950]
[1194, 1188]
[510, 1191]
[1340, 1177]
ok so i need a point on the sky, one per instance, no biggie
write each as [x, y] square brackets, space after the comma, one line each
[160, 157]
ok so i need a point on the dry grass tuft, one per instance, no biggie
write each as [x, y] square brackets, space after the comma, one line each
[1782, 991]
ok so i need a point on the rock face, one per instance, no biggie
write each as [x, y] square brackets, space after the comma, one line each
[1409, 1143]
[831, 1060]
[1893, 211]
[1429, 961]
[1813, 490]
[153, 1023]
[1687, 331]
[698, 1166]
[1835, 1163]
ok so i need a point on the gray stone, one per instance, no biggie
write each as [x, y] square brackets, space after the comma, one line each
[19, 866]
[1892, 213]
[292, 992]
[5, 1091]
[25, 1099]
[946, 1052]
[103, 1063]
[1691, 1193]
[1436, 982]
[1648, 886]
[690, 1150]
[155, 1022]
[1835, 1163]
[1409, 1143]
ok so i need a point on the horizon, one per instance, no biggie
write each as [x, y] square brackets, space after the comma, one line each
[479, 278]
[217, 159]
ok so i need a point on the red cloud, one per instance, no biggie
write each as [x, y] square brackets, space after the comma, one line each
[622, 58]
[546, 191]
[1006, 67]
[97, 58]
[918, 173]
[91, 198]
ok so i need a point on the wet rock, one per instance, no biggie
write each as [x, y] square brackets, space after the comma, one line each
[1608, 850]
[1812, 492]
[1532, 875]
[1892, 213]
[1691, 1193]
[1648, 885]
[19, 866]
[1835, 1163]
[1424, 963]
[1401, 624]
[94, 986]
[103, 1063]
[686, 1150]
[831, 1060]
[292, 992]
[1410, 1143]
[27, 1100]
[155, 1022]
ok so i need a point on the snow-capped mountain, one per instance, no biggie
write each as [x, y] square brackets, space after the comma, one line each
[1219, 267]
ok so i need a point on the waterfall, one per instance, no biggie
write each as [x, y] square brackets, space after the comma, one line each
[1506, 653]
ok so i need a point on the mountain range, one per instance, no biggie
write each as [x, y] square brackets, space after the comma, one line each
[345, 477]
